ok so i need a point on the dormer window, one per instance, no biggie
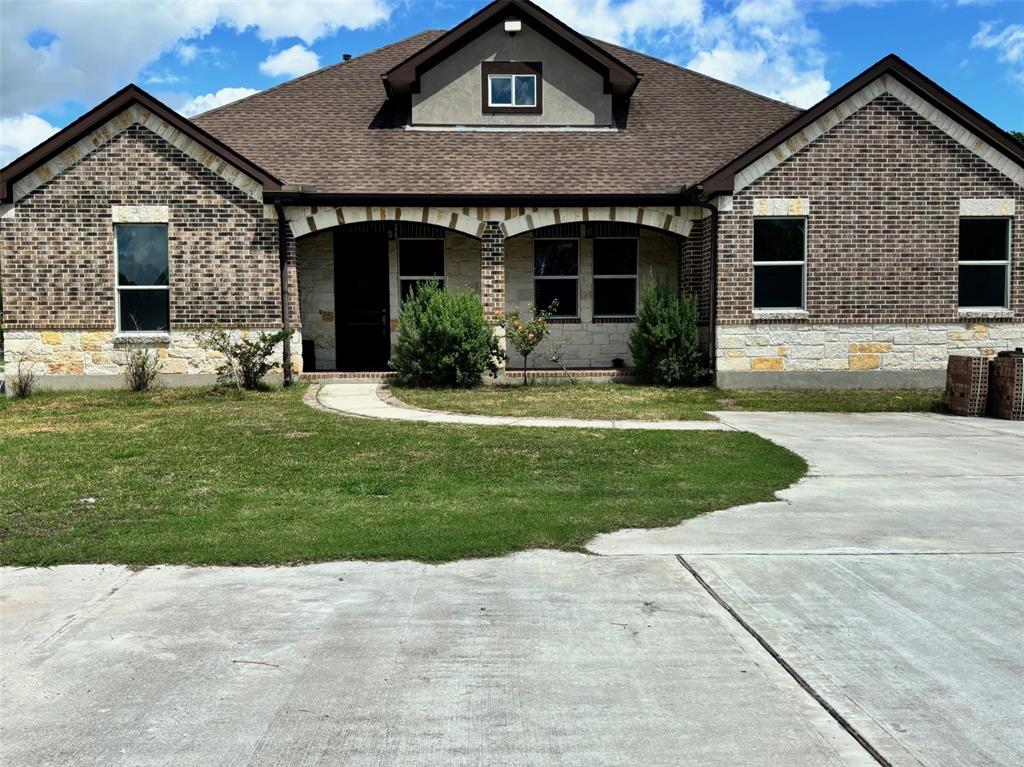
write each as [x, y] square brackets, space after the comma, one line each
[511, 87]
[513, 90]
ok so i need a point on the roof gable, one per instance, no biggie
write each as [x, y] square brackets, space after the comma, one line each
[620, 80]
[891, 75]
[128, 106]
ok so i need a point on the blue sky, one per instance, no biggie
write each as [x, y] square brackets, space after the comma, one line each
[61, 57]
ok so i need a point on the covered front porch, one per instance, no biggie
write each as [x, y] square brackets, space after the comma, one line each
[356, 265]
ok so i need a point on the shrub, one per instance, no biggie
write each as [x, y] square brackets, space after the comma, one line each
[527, 336]
[444, 339]
[23, 382]
[141, 367]
[246, 358]
[664, 343]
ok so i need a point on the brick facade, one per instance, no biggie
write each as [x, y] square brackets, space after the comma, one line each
[884, 190]
[695, 267]
[492, 269]
[57, 256]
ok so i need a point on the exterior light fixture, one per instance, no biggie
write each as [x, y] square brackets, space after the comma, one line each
[513, 25]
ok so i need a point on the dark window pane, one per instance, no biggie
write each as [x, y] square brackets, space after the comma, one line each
[778, 287]
[779, 239]
[983, 286]
[555, 257]
[615, 297]
[615, 256]
[526, 91]
[984, 239]
[141, 254]
[501, 91]
[144, 310]
[409, 285]
[421, 258]
[547, 291]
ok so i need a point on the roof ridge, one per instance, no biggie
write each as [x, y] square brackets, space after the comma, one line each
[689, 71]
[321, 70]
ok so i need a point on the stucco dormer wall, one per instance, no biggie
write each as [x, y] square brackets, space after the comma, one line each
[573, 92]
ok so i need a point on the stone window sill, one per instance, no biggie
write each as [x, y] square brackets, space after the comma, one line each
[780, 314]
[141, 339]
[978, 314]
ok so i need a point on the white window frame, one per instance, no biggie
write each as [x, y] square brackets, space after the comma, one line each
[118, 287]
[990, 262]
[579, 258]
[441, 280]
[803, 271]
[635, 277]
[513, 104]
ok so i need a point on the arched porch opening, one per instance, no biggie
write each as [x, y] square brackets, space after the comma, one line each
[353, 276]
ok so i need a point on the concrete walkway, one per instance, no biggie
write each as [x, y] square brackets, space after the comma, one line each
[873, 611]
[364, 400]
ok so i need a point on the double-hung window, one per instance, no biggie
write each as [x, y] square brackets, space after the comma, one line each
[419, 261]
[780, 259]
[556, 270]
[615, 270]
[143, 293]
[984, 263]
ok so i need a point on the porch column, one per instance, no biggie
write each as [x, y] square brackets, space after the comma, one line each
[492, 270]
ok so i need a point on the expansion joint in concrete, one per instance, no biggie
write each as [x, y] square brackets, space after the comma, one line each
[839, 718]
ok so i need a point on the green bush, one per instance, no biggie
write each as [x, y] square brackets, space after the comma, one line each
[664, 343]
[444, 339]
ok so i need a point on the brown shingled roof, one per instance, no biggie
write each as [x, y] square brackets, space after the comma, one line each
[335, 129]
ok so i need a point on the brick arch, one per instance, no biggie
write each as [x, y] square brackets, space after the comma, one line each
[307, 220]
[674, 220]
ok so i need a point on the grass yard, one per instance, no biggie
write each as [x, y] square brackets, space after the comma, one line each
[190, 476]
[655, 403]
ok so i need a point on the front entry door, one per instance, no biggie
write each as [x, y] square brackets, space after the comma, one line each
[361, 300]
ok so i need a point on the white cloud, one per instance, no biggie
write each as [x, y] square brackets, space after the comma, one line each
[622, 22]
[187, 52]
[1007, 42]
[773, 74]
[767, 46]
[19, 134]
[291, 62]
[92, 47]
[199, 104]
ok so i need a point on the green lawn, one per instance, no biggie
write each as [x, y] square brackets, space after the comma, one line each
[190, 476]
[654, 403]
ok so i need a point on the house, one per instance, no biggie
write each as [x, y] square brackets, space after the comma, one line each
[857, 243]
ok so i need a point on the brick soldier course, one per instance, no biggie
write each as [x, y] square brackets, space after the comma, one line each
[881, 172]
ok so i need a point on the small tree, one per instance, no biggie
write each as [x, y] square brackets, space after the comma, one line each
[246, 358]
[141, 367]
[444, 339]
[527, 336]
[665, 343]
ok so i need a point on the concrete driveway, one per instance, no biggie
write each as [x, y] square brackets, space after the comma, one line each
[873, 615]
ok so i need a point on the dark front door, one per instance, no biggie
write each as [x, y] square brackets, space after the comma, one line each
[361, 300]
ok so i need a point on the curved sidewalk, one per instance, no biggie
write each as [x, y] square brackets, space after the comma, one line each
[363, 399]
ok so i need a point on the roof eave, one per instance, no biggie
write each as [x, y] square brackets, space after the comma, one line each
[722, 180]
[620, 78]
[103, 113]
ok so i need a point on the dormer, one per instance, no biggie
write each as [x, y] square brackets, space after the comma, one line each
[511, 65]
